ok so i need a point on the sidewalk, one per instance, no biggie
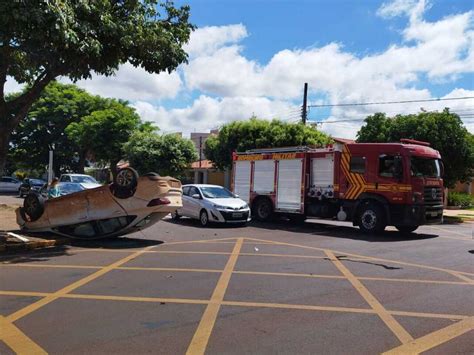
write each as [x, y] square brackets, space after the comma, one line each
[459, 213]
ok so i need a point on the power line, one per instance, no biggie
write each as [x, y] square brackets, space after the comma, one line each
[393, 102]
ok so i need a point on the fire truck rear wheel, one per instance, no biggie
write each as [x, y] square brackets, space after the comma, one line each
[372, 218]
[263, 209]
[406, 229]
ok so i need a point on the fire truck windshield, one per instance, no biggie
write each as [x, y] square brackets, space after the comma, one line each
[425, 167]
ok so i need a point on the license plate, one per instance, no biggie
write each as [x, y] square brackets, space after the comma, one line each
[434, 214]
[237, 214]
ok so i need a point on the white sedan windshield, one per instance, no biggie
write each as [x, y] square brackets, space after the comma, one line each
[216, 192]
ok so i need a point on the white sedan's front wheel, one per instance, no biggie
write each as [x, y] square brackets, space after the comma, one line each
[204, 218]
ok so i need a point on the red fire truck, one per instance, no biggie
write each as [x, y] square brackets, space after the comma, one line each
[371, 184]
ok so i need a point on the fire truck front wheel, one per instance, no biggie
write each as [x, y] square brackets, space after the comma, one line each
[263, 209]
[372, 218]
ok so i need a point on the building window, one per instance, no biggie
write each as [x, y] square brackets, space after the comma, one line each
[358, 165]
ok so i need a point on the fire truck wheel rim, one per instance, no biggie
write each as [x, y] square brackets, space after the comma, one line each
[369, 219]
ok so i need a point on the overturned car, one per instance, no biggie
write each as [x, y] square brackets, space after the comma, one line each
[129, 204]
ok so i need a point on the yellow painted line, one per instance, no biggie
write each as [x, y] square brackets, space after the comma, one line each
[449, 231]
[299, 307]
[455, 238]
[283, 255]
[50, 298]
[386, 317]
[436, 338]
[233, 303]
[196, 241]
[289, 274]
[167, 269]
[190, 252]
[134, 299]
[24, 293]
[428, 315]
[17, 340]
[59, 266]
[203, 332]
[413, 280]
[363, 257]
[461, 276]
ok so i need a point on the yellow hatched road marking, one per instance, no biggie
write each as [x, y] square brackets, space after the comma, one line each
[387, 318]
[434, 339]
[455, 273]
[449, 231]
[289, 274]
[201, 336]
[233, 303]
[17, 340]
[50, 298]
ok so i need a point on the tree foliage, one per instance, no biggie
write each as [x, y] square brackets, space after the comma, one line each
[76, 125]
[44, 128]
[256, 133]
[41, 40]
[443, 130]
[103, 132]
[167, 154]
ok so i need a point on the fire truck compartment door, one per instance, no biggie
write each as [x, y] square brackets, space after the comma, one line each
[322, 173]
[242, 180]
[264, 176]
[289, 184]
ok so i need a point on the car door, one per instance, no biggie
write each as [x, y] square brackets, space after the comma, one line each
[193, 203]
[184, 211]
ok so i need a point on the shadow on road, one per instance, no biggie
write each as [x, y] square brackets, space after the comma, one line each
[189, 222]
[340, 231]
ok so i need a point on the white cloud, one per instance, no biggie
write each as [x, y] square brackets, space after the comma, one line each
[412, 8]
[131, 83]
[441, 50]
[207, 40]
[207, 112]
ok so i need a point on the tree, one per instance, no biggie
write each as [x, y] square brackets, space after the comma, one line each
[167, 154]
[443, 130]
[42, 40]
[256, 133]
[103, 132]
[43, 128]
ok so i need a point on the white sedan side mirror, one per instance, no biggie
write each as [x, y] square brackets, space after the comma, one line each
[196, 196]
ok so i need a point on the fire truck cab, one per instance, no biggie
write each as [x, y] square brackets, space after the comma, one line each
[371, 184]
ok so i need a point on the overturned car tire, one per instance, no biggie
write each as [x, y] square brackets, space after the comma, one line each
[125, 183]
[33, 206]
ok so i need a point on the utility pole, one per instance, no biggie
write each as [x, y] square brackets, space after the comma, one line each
[305, 100]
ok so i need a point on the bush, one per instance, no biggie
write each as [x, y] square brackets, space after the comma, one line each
[460, 199]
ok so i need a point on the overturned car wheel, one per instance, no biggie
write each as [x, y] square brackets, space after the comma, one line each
[33, 206]
[125, 183]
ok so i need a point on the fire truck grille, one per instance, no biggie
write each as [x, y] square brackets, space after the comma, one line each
[433, 196]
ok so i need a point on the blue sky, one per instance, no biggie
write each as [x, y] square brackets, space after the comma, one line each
[253, 57]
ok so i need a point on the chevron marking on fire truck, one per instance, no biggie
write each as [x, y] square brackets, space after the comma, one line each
[358, 184]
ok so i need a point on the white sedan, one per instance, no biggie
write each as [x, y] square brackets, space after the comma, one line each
[212, 203]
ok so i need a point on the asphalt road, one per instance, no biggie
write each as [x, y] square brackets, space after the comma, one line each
[177, 288]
